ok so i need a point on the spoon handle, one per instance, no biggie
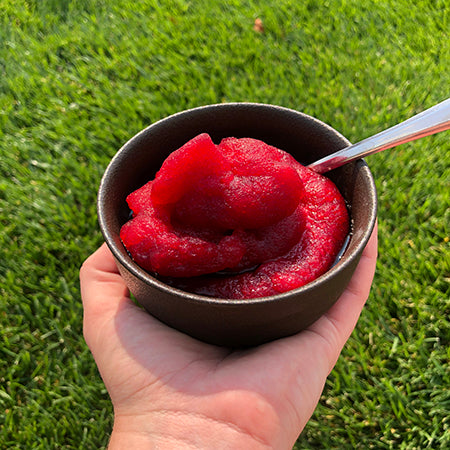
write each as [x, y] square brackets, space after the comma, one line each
[428, 122]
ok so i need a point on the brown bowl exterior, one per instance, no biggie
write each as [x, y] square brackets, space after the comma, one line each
[235, 323]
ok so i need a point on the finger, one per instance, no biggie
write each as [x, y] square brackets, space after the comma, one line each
[103, 293]
[335, 326]
[103, 260]
[100, 280]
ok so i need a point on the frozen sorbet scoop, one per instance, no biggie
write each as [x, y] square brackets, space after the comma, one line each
[242, 208]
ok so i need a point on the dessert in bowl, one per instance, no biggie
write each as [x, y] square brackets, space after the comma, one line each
[231, 317]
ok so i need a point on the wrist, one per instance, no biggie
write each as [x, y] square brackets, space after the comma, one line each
[175, 429]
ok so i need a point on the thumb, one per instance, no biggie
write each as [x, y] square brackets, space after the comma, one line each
[103, 293]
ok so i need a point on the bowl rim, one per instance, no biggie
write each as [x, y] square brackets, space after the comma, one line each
[129, 264]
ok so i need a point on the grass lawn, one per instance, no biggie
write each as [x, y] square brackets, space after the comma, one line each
[79, 78]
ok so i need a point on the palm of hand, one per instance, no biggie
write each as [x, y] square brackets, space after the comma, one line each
[266, 393]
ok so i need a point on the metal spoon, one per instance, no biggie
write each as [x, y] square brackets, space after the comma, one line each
[428, 122]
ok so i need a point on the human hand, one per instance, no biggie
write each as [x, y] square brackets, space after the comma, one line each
[172, 391]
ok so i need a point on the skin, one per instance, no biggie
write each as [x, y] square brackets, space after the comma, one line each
[172, 391]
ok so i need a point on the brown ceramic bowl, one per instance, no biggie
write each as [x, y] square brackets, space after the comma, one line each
[235, 323]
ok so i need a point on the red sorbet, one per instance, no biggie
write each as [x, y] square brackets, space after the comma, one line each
[241, 207]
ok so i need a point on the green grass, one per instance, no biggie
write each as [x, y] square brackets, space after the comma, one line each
[79, 78]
